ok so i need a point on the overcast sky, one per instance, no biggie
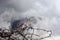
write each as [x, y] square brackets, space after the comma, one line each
[49, 10]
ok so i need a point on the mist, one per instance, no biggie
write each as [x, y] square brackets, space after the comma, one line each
[48, 10]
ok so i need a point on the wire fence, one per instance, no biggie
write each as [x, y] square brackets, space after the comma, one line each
[7, 34]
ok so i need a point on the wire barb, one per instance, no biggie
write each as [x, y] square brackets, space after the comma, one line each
[7, 35]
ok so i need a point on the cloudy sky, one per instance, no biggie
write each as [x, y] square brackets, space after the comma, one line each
[48, 10]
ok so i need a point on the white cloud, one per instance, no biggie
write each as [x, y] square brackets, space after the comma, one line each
[53, 38]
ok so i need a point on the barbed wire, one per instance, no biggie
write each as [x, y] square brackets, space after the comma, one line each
[7, 35]
[22, 29]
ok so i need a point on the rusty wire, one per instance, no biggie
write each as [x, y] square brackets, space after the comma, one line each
[4, 35]
[37, 34]
[20, 29]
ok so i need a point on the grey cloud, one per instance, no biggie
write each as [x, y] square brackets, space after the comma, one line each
[19, 5]
[46, 8]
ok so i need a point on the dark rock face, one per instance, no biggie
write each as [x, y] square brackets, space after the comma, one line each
[14, 24]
